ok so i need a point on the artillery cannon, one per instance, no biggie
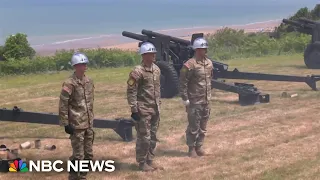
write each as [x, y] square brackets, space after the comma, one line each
[172, 52]
[122, 126]
[312, 51]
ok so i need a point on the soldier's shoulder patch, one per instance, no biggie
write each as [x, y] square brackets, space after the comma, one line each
[134, 74]
[188, 64]
[184, 69]
[131, 81]
[67, 88]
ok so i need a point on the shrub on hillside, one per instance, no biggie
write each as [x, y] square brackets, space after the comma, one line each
[27, 66]
[226, 44]
[60, 61]
[230, 43]
[98, 58]
[17, 47]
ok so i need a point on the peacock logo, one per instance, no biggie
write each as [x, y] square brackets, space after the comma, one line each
[18, 166]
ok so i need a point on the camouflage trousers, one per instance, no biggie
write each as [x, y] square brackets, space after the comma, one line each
[198, 116]
[147, 129]
[81, 142]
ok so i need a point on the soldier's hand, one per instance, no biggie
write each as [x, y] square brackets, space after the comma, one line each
[186, 103]
[135, 116]
[69, 129]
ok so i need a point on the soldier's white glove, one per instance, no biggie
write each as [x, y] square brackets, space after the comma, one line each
[186, 103]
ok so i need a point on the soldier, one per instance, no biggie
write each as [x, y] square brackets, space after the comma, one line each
[143, 94]
[76, 111]
[195, 91]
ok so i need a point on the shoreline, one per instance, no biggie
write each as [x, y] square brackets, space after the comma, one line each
[124, 43]
[250, 27]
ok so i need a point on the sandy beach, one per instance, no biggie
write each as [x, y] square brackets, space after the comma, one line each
[121, 42]
[252, 27]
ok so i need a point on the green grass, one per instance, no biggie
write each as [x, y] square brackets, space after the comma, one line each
[111, 75]
[243, 142]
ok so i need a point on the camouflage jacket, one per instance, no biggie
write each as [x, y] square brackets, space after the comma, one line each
[76, 102]
[195, 81]
[143, 90]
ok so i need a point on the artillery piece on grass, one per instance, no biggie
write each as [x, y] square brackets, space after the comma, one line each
[312, 51]
[172, 52]
[122, 126]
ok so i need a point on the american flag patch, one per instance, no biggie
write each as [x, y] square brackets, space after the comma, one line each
[68, 90]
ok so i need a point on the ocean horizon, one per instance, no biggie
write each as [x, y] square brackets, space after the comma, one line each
[62, 22]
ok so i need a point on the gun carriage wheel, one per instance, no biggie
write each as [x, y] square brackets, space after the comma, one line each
[312, 55]
[179, 50]
[169, 80]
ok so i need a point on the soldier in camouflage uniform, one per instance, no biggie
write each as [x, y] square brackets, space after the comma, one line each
[195, 91]
[76, 111]
[143, 94]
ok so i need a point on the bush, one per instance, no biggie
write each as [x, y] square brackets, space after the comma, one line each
[26, 66]
[17, 47]
[98, 58]
[230, 43]
[225, 44]
[60, 61]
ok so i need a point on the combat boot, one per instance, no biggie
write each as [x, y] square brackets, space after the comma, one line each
[192, 152]
[200, 151]
[154, 166]
[145, 167]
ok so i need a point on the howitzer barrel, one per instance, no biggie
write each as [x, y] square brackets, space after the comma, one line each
[307, 20]
[232, 88]
[310, 80]
[135, 36]
[297, 24]
[123, 127]
[140, 37]
[174, 39]
[248, 94]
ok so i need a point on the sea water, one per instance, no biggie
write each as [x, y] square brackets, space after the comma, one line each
[65, 21]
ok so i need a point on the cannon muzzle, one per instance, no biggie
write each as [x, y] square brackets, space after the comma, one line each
[302, 24]
[135, 36]
[174, 39]
[294, 23]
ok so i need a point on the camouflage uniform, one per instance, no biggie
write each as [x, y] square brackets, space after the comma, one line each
[76, 108]
[143, 95]
[195, 86]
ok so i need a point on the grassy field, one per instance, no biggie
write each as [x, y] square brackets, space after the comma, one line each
[278, 140]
